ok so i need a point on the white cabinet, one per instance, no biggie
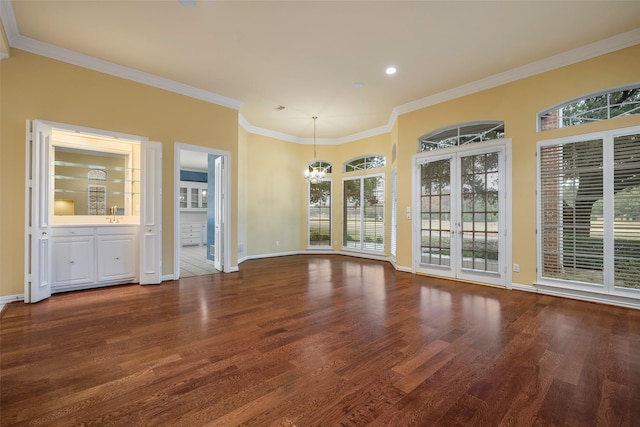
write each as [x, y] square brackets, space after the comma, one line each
[72, 254]
[90, 256]
[117, 253]
[191, 234]
[193, 195]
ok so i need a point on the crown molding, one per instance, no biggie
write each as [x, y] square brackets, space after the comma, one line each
[583, 53]
[322, 141]
[8, 20]
[601, 47]
[71, 57]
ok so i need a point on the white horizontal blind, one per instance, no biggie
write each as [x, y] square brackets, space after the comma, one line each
[626, 221]
[571, 182]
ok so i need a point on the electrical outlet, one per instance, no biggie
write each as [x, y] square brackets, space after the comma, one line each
[277, 243]
[516, 268]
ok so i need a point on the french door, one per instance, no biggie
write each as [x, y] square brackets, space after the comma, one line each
[461, 229]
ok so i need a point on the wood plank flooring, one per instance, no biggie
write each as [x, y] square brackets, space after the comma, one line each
[318, 341]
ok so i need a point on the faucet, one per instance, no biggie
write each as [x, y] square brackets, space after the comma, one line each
[112, 211]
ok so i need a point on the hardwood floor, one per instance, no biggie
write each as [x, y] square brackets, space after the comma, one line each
[318, 341]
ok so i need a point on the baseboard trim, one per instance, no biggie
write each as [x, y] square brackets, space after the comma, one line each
[11, 298]
[554, 291]
[524, 288]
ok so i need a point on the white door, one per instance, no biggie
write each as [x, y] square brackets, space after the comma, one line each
[38, 250]
[461, 229]
[151, 213]
[218, 220]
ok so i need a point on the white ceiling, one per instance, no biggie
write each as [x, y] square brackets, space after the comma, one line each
[307, 55]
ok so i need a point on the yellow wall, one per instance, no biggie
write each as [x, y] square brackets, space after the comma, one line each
[34, 87]
[269, 195]
[275, 192]
[517, 104]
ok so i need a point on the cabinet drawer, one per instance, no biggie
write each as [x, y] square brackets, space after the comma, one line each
[71, 231]
[190, 241]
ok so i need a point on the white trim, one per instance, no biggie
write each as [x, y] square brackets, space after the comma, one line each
[524, 288]
[71, 57]
[11, 298]
[9, 21]
[166, 277]
[177, 146]
[588, 296]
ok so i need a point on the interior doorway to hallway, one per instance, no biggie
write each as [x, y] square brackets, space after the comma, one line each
[200, 246]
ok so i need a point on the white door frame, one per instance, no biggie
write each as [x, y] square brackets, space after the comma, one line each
[226, 208]
[504, 145]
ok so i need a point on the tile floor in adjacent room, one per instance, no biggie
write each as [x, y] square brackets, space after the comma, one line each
[193, 261]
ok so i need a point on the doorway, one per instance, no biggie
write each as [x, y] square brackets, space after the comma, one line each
[461, 201]
[201, 179]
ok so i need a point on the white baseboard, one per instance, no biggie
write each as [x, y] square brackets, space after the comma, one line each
[11, 298]
[525, 288]
[167, 277]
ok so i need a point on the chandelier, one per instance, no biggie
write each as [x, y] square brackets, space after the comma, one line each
[314, 174]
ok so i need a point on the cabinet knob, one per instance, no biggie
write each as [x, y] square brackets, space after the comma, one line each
[117, 257]
[72, 262]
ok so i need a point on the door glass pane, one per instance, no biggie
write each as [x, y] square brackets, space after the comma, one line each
[626, 221]
[183, 197]
[435, 183]
[480, 241]
[194, 197]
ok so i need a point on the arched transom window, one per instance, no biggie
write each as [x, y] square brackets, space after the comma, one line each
[592, 108]
[463, 134]
[321, 164]
[365, 162]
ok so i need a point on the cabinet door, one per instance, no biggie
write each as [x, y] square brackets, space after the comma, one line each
[195, 198]
[204, 197]
[184, 195]
[116, 257]
[73, 261]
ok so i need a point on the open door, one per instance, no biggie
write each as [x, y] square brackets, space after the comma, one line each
[38, 180]
[219, 262]
[151, 213]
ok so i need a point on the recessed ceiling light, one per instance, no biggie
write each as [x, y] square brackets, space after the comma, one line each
[391, 70]
[188, 3]
[358, 85]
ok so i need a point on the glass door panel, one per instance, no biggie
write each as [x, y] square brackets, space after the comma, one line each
[461, 215]
[435, 247]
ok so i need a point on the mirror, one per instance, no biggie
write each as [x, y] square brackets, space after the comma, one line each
[94, 176]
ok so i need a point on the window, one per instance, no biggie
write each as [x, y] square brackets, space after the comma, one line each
[320, 214]
[458, 135]
[365, 162]
[589, 211]
[394, 214]
[363, 215]
[603, 106]
[321, 164]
